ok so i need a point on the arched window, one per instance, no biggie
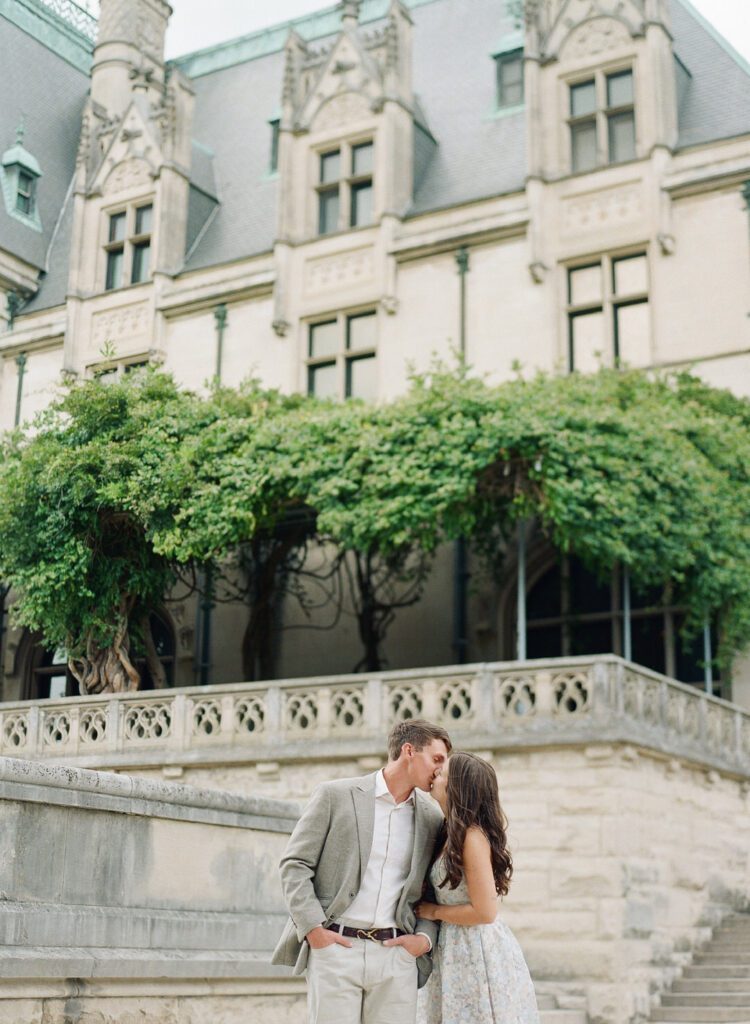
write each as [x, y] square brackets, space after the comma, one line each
[570, 611]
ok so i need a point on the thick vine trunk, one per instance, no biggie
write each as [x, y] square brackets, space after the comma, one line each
[107, 669]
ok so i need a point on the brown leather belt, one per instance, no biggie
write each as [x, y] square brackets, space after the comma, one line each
[376, 934]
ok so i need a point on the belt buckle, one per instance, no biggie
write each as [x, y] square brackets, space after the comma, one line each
[367, 933]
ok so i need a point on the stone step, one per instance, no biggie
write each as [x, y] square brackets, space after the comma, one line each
[713, 999]
[717, 971]
[720, 942]
[725, 984]
[725, 956]
[563, 1016]
[701, 1015]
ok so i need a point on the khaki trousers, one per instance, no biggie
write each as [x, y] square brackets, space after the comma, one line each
[367, 984]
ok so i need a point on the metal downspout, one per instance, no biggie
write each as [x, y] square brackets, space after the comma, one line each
[21, 361]
[460, 555]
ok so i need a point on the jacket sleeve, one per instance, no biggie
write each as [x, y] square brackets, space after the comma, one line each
[428, 928]
[297, 866]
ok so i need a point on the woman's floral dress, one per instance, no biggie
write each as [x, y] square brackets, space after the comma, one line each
[479, 974]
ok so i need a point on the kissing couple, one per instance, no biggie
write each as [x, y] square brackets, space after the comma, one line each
[393, 893]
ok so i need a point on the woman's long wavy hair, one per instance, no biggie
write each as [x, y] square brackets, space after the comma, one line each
[473, 801]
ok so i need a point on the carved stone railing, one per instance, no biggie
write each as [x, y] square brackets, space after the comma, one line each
[76, 15]
[486, 706]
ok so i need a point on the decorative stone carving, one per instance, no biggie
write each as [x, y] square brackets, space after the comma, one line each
[609, 207]
[128, 323]
[342, 109]
[594, 38]
[327, 272]
[128, 176]
[389, 304]
[538, 271]
[281, 327]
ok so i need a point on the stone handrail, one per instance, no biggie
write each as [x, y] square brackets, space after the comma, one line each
[485, 706]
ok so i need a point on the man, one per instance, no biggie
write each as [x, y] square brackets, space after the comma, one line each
[353, 869]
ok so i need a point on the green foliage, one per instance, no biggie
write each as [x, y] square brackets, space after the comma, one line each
[119, 483]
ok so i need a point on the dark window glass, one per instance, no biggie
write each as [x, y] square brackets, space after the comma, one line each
[647, 635]
[544, 642]
[583, 145]
[587, 592]
[322, 380]
[620, 89]
[510, 79]
[543, 599]
[328, 212]
[117, 227]
[275, 133]
[143, 218]
[114, 269]
[583, 98]
[25, 194]
[621, 130]
[324, 339]
[360, 331]
[591, 637]
[141, 262]
[361, 208]
[330, 166]
[362, 159]
[361, 379]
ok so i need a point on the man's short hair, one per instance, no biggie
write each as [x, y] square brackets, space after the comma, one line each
[416, 731]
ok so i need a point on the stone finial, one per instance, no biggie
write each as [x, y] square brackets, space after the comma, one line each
[349, 13]
[21, 130]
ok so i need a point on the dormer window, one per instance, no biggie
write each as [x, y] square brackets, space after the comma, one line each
[345, 187]
[602, 120]
[273, 164]
[19, 176]
[509, 70]
[128, 246]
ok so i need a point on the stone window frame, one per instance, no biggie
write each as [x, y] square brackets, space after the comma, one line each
[346, 184]
[132, 242]
[610, 304]
[602, 115]
[344, 356]
[116, 369]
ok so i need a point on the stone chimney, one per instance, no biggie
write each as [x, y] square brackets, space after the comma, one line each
[129, 53]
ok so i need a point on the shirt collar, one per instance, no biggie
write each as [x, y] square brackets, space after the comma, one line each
[381, 790]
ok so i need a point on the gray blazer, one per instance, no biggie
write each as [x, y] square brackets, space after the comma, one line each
[326, 857]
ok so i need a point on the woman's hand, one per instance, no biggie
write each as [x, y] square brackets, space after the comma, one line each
[427, 911]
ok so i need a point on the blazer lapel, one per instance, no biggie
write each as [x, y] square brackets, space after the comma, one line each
[363, 795]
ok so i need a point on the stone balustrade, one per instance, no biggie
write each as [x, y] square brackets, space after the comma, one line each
[485, 706]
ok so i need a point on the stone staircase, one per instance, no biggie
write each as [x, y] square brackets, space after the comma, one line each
[715, 988]
[550, 1012]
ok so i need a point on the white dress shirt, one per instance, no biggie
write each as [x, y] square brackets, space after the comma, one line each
[389, 862]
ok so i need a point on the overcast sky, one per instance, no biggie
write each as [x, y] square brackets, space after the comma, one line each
[198, 23]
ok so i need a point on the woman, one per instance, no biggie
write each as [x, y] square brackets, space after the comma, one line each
[479, 975]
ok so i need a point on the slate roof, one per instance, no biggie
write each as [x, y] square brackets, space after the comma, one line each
[233, 196]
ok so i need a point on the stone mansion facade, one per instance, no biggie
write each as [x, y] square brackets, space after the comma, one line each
[325, 203]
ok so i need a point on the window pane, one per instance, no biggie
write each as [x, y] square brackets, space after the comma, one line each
[647, 636]
[510, 80]
[582, 98]
[143, 217]
[588, 593]
[134, 367]
[630, 275]
[141, 262]
[633, 327]
[114, 269]
[57, 686]
[591, 637]
[621, 129]
[361, 331]
[330, 166]
[620, 89]
[275, 129]
[361, 378]
[23, 202]
[117, 227]
[543, 600]
[362, 159]
[585, 285]
[689, 664]
[583, 145]
[588, 342]
[544, 642]
[322, 381]
[361, 212]
[324, 339]
[328, 219]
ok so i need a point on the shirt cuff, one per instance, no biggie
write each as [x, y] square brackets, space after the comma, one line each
[429, 950]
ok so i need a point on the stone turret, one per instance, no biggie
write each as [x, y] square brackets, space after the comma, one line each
[129, 52]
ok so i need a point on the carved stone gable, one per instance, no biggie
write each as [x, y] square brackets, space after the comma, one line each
[575, 25]
[346, 71]
[134, 155]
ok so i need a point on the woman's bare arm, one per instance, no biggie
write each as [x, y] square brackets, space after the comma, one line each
[482, 908]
